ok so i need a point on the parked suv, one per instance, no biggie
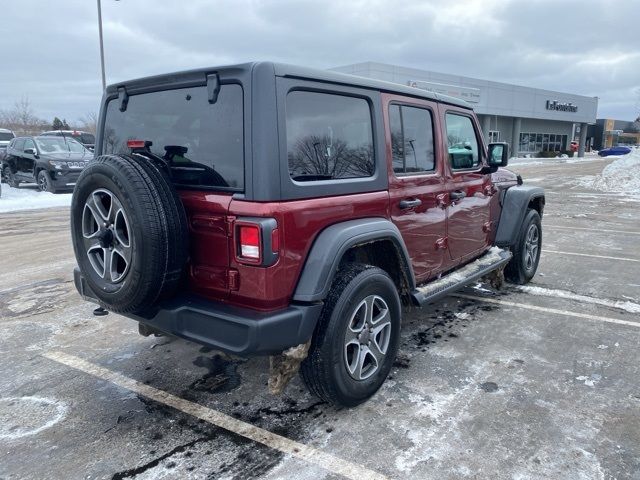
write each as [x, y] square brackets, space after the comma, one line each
[5, 137]
[85, 138]
[54, 163]
[267, 209]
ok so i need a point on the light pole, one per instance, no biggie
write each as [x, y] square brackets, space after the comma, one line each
[104, 81]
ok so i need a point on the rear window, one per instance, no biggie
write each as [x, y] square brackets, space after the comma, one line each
[328, 137]
[85, 138]
[203, 142]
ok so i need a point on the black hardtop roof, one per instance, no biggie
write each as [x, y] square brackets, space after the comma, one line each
[284, 70]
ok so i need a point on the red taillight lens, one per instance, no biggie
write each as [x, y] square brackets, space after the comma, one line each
[135, 143]
[249, 241]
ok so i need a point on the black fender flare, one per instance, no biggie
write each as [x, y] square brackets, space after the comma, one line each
[330, 246]
[515, 202]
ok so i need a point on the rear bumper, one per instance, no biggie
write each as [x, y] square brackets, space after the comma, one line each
[230, 329]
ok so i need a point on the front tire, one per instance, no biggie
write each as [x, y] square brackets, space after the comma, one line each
[526, 251]
[44, 182]
[356, 339]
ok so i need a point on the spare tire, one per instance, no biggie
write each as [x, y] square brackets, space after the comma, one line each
[129, 232]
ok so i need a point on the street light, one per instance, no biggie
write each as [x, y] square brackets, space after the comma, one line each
[104, 81]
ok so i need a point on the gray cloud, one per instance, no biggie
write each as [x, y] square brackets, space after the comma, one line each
[584, 47]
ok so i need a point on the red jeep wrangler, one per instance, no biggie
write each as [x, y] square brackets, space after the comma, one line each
[266, 209]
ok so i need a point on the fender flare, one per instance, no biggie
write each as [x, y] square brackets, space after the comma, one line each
[330, 246]
[514, 207]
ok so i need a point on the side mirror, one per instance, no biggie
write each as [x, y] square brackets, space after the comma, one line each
[498, 154]
[30, 151]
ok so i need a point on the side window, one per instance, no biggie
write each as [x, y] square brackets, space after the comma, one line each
[19, 145]
[462, 142]
[412, 143]
[329, 136]
[28, 143]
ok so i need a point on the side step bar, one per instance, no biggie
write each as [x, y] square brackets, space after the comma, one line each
[435, 290]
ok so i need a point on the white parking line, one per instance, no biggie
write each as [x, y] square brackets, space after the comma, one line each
[591, 229]
[567, 313]
[624, 259]
[277, 442]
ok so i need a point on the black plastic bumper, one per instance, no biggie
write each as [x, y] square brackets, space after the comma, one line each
[62, 178]
[235, 330]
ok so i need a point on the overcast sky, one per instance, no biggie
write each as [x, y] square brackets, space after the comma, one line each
[50, 49]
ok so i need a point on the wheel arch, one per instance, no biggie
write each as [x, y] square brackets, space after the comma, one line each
[515, 203]
[376, 241]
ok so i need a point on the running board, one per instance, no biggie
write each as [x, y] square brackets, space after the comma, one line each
[435, 290]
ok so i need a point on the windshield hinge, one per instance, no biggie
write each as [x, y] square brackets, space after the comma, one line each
[123, 96]
[213, 87]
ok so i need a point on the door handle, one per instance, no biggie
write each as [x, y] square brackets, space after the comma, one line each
[457, 195]
[410, 203]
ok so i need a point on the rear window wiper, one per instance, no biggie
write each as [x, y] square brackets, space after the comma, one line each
[311, 177]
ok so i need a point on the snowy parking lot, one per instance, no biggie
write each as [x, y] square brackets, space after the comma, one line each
[539, 381]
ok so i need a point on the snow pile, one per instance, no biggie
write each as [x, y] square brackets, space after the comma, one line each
[622, 175]
[28, 198]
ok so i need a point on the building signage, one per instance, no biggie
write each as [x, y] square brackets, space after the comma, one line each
[470, 94]
[561, 106]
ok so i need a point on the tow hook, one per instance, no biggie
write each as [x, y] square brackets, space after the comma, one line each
[283, 367]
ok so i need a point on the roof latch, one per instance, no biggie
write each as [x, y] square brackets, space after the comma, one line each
[123, 96]
[213, 87]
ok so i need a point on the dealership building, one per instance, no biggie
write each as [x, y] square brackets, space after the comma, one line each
[531, 120]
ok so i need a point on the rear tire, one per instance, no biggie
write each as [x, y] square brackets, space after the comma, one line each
[126, 213]
[526, 251]
[11, 178]
[356, 339]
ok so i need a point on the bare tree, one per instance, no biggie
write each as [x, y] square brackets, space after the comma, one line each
[89, 123]
[21, 118]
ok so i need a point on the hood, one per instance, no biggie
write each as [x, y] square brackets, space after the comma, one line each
[504, 177]
[68, 156]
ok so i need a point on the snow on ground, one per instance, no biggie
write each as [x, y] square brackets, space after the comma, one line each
[622, 175]
[29, 198]
[589, 157]
[627, 306]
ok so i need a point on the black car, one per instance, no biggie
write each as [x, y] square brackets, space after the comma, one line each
[54, 163]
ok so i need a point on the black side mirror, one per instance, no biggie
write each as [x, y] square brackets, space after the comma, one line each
[498, 154]
[30, 151]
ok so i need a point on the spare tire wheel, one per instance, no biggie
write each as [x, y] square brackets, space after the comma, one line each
[129, 232]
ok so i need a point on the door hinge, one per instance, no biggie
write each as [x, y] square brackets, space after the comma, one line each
[233, 280]
[487, 227]
[442, 243]
[441, 200]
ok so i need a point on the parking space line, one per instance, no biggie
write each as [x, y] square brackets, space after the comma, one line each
[624, 259]
[556, 311]
[591, 229]
[277, 442]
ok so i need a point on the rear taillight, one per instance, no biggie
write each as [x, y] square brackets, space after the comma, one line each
[249, 241]
[257, 241]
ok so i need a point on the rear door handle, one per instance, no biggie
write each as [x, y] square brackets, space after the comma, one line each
[457, 195]
[410, 203]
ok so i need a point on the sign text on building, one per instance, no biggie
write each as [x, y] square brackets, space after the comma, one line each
[561, 106]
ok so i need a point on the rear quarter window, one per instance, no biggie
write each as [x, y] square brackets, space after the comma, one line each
[203, 142]
[329, 137]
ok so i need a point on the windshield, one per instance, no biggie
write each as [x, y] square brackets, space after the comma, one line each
[6, 136]
[59, 145]
[203, 142]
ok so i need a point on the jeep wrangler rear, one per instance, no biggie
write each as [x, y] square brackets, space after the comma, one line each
[266, 209]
